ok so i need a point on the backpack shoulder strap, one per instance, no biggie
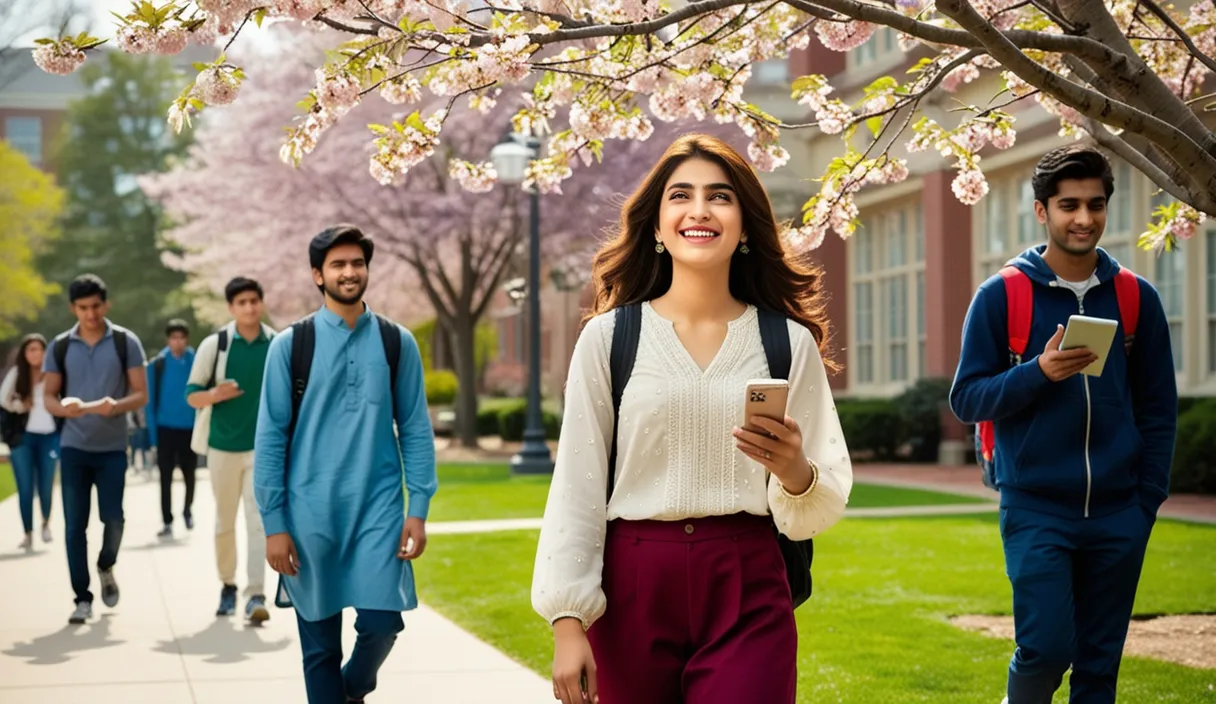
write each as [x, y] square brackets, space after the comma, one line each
[158, 374]
[303, 342]
[221, 346]
[390, 338]
[626, 333]
[120, 346]
[775, 336]
[1127, 291]
[61, 360]
[1019, 304]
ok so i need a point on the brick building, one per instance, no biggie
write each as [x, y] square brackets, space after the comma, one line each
[900, 287]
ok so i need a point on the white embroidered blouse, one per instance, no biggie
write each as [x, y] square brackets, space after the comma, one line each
[676, 456]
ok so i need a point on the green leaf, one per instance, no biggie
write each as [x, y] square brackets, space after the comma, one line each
[875, 125]
[415, 120]
[881, 85]
[200, 66]
[920, 65]
[44, 42]
[259, 15]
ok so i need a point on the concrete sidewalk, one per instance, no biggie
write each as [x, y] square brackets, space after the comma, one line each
[163, 643]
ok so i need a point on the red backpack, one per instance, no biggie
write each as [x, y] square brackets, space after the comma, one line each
[1019, 295]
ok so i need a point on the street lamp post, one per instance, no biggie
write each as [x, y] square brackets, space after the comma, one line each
[510, 158]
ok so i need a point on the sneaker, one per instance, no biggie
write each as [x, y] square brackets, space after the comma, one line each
[256, 610]
[189, 521]
[166, 533]
[227, 601]
[27, 543]
[109, 587]
[46, 533]
[83, 612]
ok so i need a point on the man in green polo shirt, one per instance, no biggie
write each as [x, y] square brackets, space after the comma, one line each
[225, 385]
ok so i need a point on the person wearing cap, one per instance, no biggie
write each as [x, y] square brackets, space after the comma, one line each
[225, 385]
[330, 491]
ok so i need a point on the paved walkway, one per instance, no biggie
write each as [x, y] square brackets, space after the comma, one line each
[163, 644]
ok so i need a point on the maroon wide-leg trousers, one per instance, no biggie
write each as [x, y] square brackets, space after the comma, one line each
[699, 612]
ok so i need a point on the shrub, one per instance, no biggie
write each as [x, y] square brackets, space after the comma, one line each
[872, 427]
[513, 419]
[487, 422]
[441, 387]
[920, 409]
[506, 379]
[1194, 467]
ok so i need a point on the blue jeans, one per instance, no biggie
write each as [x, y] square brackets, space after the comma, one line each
[325, 679]
[1074, 586]
[34, 469]
[80, 472]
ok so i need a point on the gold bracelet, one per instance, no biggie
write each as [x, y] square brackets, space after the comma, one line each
[814, 475]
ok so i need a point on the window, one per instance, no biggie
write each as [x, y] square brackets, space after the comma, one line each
[1211, 246]
[773, 71]
[880, 45]
[888, 281]
[994, 220]
[25, 134]
[1171, 283]
[1028, 222]
[1117, 240]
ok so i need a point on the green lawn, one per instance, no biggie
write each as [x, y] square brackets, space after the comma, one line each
[490, 491]
[876, 630]
[8, 483]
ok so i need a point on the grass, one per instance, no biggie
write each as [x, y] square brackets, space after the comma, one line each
[876, 630]
[489, 491]
[8, 483]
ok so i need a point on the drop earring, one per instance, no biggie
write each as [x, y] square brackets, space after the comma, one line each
[658, 246]
[743, 248]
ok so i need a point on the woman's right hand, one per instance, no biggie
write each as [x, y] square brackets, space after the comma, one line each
[572, 660]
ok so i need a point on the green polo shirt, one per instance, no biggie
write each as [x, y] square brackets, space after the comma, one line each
[234, 422]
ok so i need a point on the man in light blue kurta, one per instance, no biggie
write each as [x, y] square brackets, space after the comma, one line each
[337, 525]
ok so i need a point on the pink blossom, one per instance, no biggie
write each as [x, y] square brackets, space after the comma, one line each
[136, 39]
[843, 36]
[767, 157]
[338, 92]
[398, 152]
[969, 186]
[960, 75]
[171, 41]
[405, 89]
[60, 58]
[299, 9]
[474, 178]
[1004, 139]
[216, 86]
[805, 238]
[833, 117]
[547, 174]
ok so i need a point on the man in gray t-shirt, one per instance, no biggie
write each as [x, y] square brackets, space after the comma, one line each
[94, 377]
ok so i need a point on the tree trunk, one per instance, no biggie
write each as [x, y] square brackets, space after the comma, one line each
[463, 334]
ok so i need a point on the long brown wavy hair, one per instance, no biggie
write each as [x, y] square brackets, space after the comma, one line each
[25, 375]
[628, 270]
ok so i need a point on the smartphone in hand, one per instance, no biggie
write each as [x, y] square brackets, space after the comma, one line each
[766, 398]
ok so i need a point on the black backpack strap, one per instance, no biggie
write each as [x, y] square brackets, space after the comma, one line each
[390, 337]
[775, 336]
[303, 342]
[120, 346]
[626, 334]
[221, 345]
[61, 361]
[158, 373]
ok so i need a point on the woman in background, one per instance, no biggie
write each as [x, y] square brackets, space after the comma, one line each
[31, 434]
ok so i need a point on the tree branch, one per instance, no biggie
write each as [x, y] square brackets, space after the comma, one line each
[1132, 156]
[351, 29]
[1165, 18]
[1085, 101]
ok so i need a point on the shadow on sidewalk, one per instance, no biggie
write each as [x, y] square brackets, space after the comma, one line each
[59, 646]
[158, 544]
[23, 555]
[223, 642]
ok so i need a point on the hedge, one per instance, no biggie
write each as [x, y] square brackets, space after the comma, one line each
[1194, 466]
[441, 387]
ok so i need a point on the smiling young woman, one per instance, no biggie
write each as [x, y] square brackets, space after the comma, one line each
[674, 589]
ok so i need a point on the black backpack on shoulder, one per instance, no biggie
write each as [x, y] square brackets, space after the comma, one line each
[60, 349]
[775, 336]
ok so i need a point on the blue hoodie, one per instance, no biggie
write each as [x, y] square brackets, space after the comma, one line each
[167, 407]
[1085, 446]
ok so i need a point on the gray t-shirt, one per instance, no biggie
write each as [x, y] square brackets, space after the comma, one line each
[95, 372]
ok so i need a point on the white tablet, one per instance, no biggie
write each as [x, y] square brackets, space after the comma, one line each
[1097, 334]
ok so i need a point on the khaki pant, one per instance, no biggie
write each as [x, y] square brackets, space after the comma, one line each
[232, 481]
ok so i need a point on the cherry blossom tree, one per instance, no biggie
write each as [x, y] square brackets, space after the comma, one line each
[1129, 73]
[446, 234]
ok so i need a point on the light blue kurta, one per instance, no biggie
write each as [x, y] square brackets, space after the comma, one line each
[342, 501]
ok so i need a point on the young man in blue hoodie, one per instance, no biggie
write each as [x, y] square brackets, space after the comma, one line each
[1082, 462]
[171, 420]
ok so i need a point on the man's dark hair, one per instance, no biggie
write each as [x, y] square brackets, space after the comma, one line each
[240, 285]
[177, 325]
[86, 285]
[1074, 161]
[334, 236]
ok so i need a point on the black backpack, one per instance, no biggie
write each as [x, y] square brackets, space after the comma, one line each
[303, 345]
[60, 350]
[775, 336]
